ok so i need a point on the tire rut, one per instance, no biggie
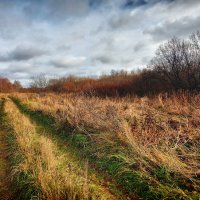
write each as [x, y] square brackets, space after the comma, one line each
[5, 180]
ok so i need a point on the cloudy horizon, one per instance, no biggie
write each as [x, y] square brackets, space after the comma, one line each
[87, 37]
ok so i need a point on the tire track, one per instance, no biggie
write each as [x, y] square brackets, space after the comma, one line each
[5, 179]
[48, 165]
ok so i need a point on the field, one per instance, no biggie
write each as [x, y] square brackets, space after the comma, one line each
[74, 147]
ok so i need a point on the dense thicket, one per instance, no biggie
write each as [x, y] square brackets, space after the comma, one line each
[7, 86]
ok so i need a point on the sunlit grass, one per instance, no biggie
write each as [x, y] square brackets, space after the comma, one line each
[42, 170]
[158, 138]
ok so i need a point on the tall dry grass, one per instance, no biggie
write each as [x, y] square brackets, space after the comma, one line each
[165, 130]
[52, 173]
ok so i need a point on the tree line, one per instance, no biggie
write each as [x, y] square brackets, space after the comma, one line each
[175, 66]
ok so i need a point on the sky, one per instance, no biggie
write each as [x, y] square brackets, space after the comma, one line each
[87, 37]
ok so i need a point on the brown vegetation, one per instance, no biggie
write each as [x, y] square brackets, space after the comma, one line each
[6, 86]
[154, 133]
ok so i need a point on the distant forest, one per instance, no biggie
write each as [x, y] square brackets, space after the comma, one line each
[175, 66]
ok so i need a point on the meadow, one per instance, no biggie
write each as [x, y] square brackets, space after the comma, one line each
[72, 146]
[100, 100]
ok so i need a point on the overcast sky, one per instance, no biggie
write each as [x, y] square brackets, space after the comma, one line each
[87, 37]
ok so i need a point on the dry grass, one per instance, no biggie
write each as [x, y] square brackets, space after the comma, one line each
[52, 173]
[6, 190]
[165, 131]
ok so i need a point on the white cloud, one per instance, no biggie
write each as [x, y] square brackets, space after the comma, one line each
[85, 37]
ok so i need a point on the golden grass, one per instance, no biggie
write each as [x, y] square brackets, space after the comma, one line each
[156, 127]
[53, 172]
[164, 131]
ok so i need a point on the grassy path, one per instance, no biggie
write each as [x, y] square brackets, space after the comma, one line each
[5, 182]
[46, 170]
[107, 168]
[45, 126]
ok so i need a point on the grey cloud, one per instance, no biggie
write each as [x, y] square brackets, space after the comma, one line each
[168, 29]
[103, 58]
[145, 60]
[27, 70]
[110, 59]
[18, 69]
[22, 68]
[12, 20]
[120, 21]
[58, 10]
[63, 48]
[17, 75]
[184, 2]
[127, 19]
[68, 62]
[138, 46]
[77, 7]
[21, 53]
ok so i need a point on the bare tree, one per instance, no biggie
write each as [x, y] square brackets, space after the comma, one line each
[17, 84]
[178, 61]
[39, 81]
[195, 51]
[168, 61]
